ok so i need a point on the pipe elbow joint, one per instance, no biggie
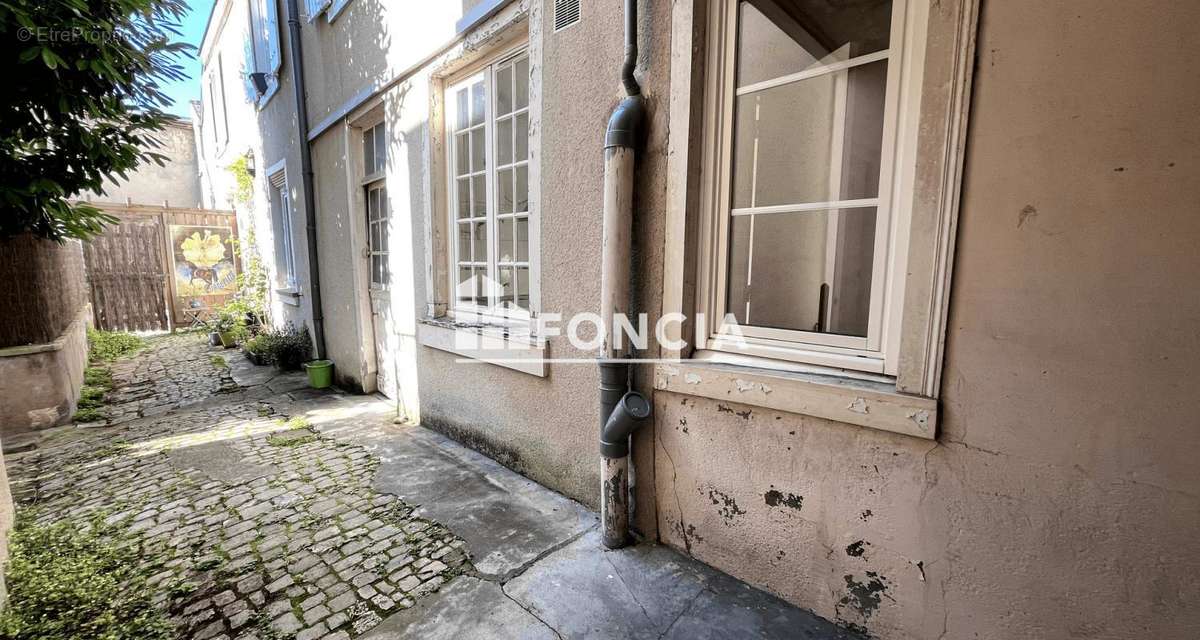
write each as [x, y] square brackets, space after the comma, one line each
[625, 124]
[625, 418]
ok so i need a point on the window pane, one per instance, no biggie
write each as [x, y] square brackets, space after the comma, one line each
[801, 34]
[478, 159]
[462, 157]
[479, 252]
[465, 286]
[523, 287]
[522, 138]
[816, 140]
[464, 197]
[464, 241]
[374, 238]
[504, 91]
[504, 185]
[463, 106]
[807, 271]
[522, 240]
[504, 146]
[478, 103]
[478, 196]
[521, 70]
[507, 283]
[368, 151]
[522, 187]
[505, 234]
[383, 202]
[380, 148]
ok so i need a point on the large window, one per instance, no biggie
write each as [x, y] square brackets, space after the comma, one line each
[808, 107]
[262, 54]
[488, 131]
[216, 99]
[374, 144]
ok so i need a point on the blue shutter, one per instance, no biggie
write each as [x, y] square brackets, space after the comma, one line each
[248, 66]
[315, 7]
[271, 36]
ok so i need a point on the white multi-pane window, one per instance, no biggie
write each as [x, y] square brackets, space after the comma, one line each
[374, 144]
[216, 97]
[488, 130]
[807, 108]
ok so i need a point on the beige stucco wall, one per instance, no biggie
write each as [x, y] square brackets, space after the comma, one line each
[1060, 499]
[175, 182]
[40, 383]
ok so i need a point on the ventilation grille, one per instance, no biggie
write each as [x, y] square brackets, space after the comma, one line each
[566, 13]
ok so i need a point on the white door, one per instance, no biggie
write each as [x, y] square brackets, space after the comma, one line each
[380, 281]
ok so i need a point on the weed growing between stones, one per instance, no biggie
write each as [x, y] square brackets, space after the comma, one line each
[106, 346]
[78, 581]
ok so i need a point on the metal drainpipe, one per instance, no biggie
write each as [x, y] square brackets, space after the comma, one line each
[306, 172]
[621, 410]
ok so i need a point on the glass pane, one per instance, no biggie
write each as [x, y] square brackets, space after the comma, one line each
[383, 235]
[478, 103]
[464, 241]
[523, 287]
[478, 196]
[479, 252]
[478, 157]
[522, 240]
[374, 240]
[462, 154]
[808, 33]
[521, 69]
[386, 272]
[504, 146]
[463, 106]
[504, 91]
[807, 271]
[816, 140]
[505, 233]
[522, 186]
[380, 148]
[504, 184]
[383, 203]
[372, 205]
[376, 270]
[507, 282]
[465, 286]
[464, 198]
[368, 151]
[522, 138]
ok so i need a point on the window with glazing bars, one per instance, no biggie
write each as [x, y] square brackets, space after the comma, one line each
[374, 163]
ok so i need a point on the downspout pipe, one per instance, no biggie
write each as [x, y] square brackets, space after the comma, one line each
[621, 410]
[306, 173]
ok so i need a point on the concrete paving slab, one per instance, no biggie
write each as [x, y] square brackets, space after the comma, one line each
[467, 609]
[651, 591]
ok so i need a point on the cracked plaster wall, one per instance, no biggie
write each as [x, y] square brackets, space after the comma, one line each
[1060, 499]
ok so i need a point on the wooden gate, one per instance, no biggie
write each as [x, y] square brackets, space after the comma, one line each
[161, 267]
[127, 276]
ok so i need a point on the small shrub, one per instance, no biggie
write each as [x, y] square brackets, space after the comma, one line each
[91, 397]
[77, 583]
[290, 348]
[106, 346]
[89, 414]
[98, 377]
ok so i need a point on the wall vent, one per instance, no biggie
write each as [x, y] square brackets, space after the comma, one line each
[566, 13]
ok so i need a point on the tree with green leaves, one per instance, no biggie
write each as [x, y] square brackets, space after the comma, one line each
[82, 103]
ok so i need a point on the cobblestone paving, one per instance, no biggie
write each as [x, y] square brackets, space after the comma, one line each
[173, 371]
[251, 526]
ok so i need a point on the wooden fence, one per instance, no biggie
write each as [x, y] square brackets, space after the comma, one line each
[161, 268]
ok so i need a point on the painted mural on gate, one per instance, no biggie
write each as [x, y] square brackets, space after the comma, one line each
[203, 261]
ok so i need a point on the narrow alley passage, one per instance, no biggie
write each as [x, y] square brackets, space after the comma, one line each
[264, 509]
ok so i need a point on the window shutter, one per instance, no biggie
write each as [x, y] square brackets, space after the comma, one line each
[315, 7]
[566, 13]
[248, 62]
[271, 35]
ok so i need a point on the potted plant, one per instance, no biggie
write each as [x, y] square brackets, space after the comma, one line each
[290, 348]
[258, 349]
[226, 327]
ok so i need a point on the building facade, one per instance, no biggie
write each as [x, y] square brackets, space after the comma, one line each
[921, 262]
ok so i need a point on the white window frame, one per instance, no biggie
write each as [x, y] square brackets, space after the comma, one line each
[263, 48]
[375, 179]
[490, 313]
[865, 354]
[216, 96]
[281, 227]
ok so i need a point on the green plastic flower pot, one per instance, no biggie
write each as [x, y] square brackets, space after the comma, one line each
[320, 373]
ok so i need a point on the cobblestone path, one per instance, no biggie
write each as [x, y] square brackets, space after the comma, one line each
[250, 525]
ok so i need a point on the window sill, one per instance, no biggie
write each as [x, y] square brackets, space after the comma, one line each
[289, 295]
[484, 343]
[876, 405]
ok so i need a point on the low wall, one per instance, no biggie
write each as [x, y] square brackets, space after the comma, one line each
[40, 383]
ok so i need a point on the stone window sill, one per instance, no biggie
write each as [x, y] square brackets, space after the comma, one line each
[485, 343]
[289, 295]
[876, 405]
